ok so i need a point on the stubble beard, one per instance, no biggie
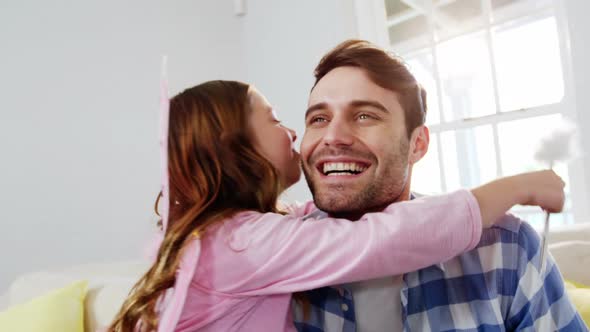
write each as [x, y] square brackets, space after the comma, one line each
[340, 200]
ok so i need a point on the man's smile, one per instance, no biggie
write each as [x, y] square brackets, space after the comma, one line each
[341, 168]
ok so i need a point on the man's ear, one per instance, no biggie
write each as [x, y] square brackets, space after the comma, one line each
[419, 142]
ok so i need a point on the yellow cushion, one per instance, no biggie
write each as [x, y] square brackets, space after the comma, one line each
[61, 310]
[580, 296]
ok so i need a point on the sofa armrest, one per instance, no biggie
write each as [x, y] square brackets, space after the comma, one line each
[571, 232]
[573, 259]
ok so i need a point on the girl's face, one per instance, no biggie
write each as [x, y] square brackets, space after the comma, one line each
[273, 140]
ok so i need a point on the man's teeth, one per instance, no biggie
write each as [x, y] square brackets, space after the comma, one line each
[342, 168]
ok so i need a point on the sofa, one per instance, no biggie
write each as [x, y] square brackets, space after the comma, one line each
[110, 282]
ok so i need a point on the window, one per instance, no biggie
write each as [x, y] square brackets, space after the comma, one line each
[496, 76]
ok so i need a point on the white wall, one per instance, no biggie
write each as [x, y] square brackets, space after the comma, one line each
[284, 40]
[79, 85]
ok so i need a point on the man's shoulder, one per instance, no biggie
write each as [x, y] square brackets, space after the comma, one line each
[502, 253]
[508, 223]
[507, 247]
[510, 230]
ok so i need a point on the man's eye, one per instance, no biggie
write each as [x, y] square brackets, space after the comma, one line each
[365, 117]
[317, 119]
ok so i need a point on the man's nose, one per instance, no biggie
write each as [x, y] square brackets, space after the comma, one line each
[338, 133]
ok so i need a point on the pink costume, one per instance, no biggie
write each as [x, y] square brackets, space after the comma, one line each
[239, 275]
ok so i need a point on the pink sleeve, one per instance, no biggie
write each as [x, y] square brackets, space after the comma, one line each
[270, 254]
[298, 209]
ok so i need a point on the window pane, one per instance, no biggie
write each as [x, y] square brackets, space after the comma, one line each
[519, 140]
[506, 9]
[466, 77]
[426, 172]
[450, 18]
[532, 75]
[409, 25]
[421, 65]
[469, 157]
[413, 28]
[497, 4]
[395, 7]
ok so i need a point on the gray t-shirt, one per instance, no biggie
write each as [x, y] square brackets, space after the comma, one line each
[377, 304]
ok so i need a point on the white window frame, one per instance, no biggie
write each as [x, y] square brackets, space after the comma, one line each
[373, 24]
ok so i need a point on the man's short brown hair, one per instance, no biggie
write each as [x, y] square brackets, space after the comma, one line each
[384, 69]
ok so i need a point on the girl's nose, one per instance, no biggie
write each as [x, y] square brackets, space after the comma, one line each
[293, 134]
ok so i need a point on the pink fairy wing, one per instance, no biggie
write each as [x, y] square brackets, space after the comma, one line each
[164, 119]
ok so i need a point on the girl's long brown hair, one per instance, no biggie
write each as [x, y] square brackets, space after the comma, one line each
[214, 172]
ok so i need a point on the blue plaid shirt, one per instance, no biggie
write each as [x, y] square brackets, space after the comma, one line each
[498, 286]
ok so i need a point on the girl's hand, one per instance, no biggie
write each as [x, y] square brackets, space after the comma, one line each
[542, 188]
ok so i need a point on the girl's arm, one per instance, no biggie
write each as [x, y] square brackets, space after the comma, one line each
[261, 254]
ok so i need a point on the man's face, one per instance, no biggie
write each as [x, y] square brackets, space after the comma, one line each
[355, 150]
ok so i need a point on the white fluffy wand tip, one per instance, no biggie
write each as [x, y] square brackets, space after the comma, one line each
[560, 145]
